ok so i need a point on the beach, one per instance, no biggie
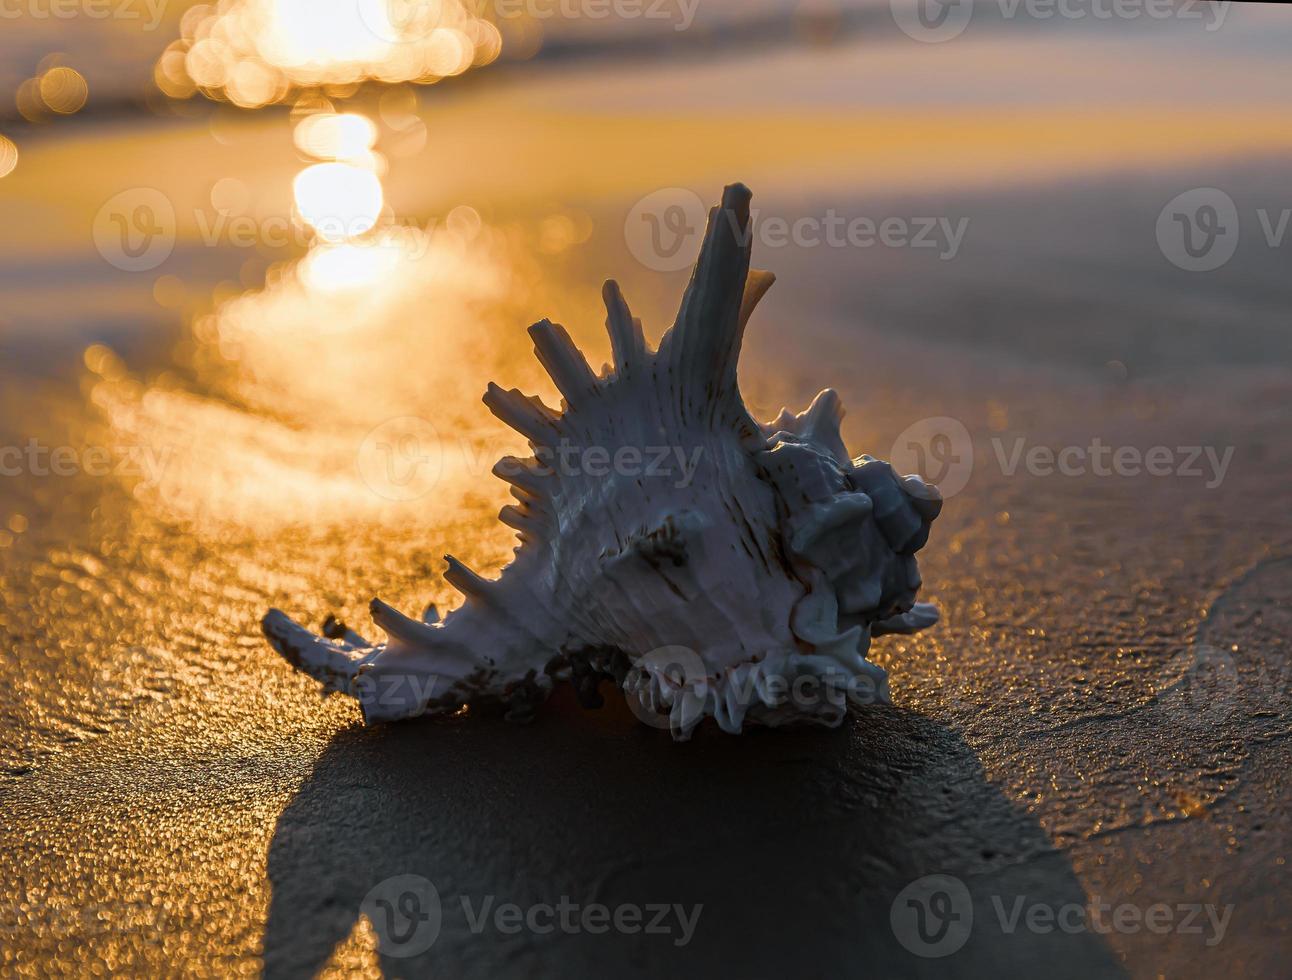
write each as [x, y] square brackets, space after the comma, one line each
[980, 268]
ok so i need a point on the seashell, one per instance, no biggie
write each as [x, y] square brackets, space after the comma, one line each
[736, 571]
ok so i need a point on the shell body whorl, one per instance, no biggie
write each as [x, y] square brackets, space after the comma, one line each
[712, 566]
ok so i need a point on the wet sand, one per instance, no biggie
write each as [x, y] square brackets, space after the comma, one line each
[174, 794]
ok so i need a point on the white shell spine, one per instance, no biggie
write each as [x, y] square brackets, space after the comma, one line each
[741, 576]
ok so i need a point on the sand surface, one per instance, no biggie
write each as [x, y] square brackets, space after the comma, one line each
[1100, 719]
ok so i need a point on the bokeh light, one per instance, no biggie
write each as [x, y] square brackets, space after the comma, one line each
[336, 136]
[28, 101]
[229, 195]
[257, 52]
[339, 200]
[8, 155]
[170, 292]
[338, 268]
[63, 90]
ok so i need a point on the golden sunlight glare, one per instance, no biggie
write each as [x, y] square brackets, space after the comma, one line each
[332, 268]
[339, 201]
[256, 52]
[336, 136]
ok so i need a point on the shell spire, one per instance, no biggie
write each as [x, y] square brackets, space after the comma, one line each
[627, 342]
[564, 362]
[703, 347]
[704, 563]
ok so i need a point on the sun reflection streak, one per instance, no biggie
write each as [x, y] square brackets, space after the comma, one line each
[336, 136]
[343, 198]
[294, 379]
[339, 200]
[256, 52]
[339, 268]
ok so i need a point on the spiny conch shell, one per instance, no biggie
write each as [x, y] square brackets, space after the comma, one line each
[710, 565]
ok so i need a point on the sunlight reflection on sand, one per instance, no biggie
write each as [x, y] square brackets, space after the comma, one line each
[330, 399]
